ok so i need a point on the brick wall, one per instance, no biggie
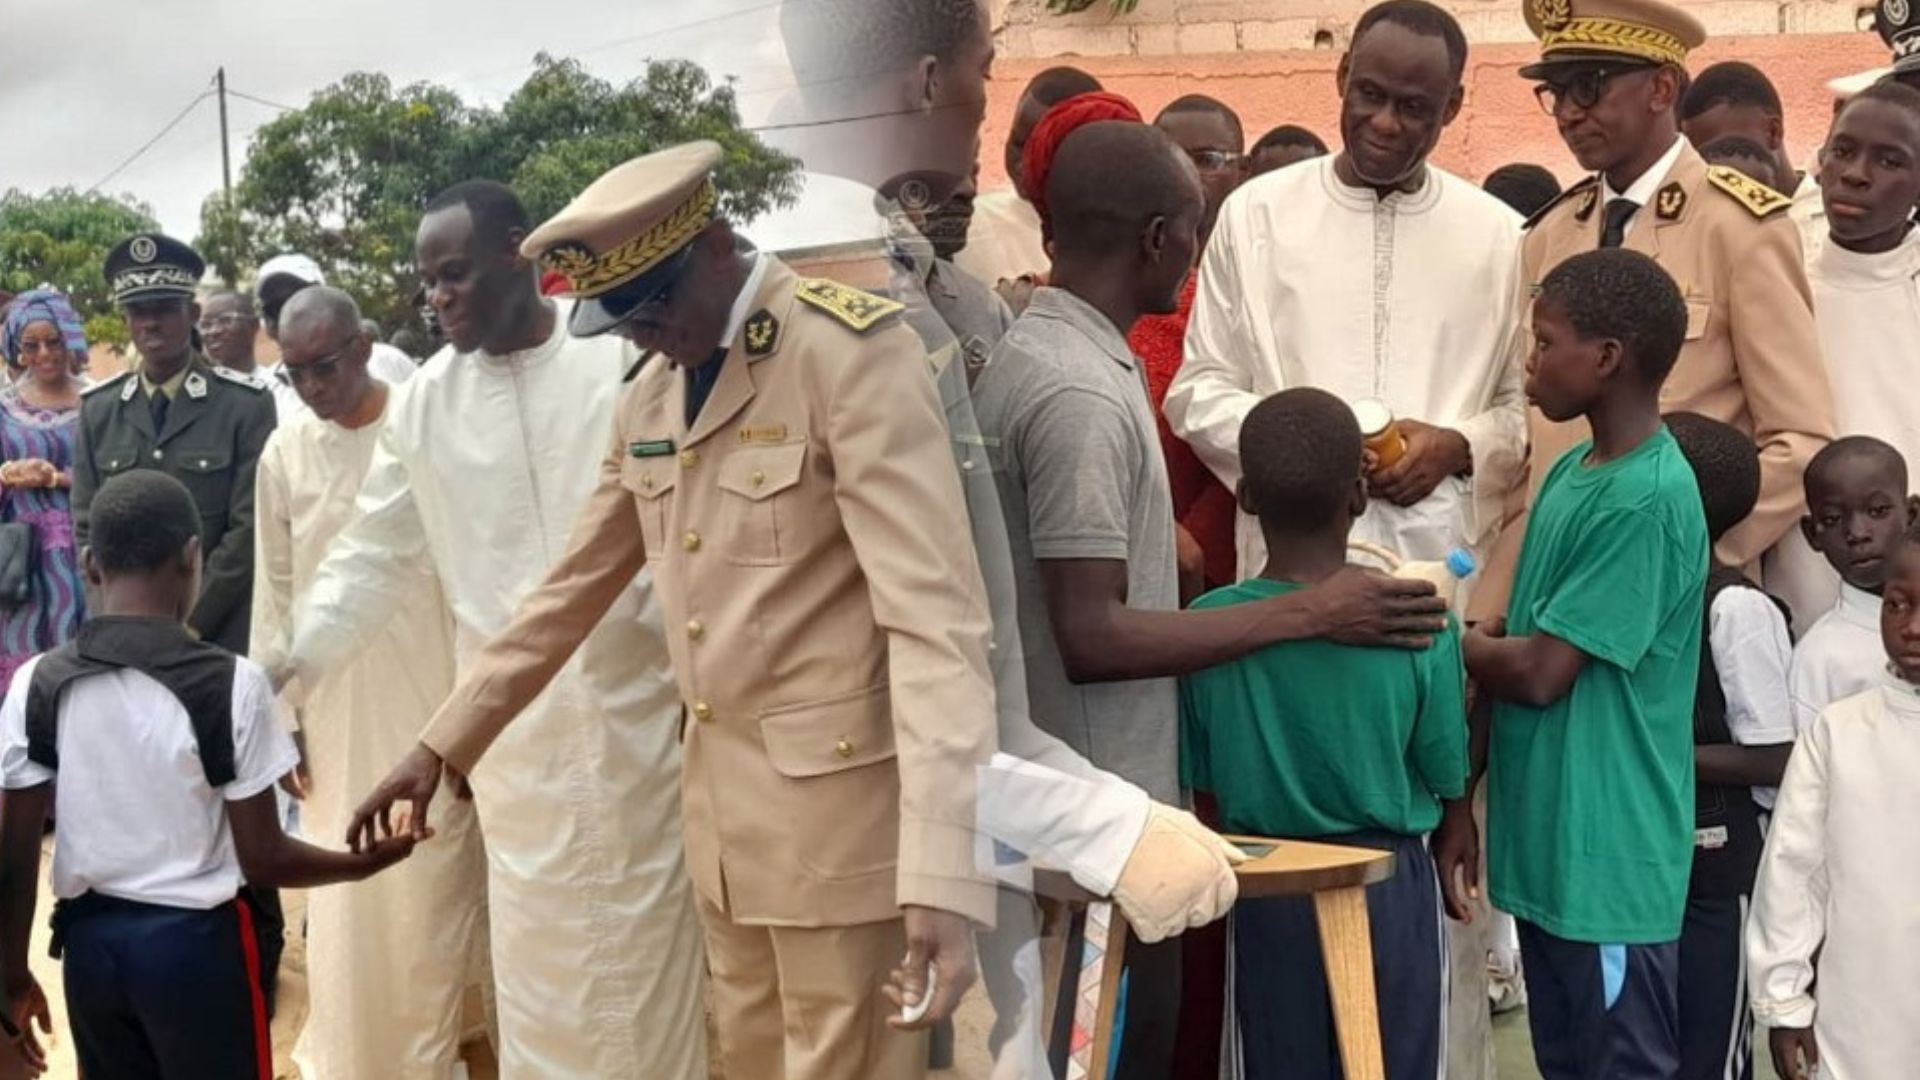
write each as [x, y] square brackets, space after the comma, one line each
[1199, 27]
[1261, 57]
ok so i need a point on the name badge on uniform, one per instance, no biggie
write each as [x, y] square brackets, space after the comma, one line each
[653, 448]
[1710, 839]
[772, 433]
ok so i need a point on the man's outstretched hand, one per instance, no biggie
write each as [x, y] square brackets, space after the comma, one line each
[1359, 606]
[414, 782]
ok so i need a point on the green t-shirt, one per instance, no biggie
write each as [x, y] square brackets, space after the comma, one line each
[1312, 738]
[1590, 800]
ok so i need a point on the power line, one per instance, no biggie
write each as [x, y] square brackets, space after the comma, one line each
[151, 143]
[650, 34]
[244, 96]
[681, 27]
[830, 122]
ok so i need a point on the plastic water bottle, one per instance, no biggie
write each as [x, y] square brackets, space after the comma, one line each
[1445, 574]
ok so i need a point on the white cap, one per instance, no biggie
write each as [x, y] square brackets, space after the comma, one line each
[1846, 86]
[294, 266]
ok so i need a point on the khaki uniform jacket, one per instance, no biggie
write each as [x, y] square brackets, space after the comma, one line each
[825, 615]
[1751, 357]
[217, 424]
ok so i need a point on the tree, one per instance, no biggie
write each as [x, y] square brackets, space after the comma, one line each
[343, 180]
[61, 238]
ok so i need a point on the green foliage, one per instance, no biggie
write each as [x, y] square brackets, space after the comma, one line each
[343, 179]
[61, 238]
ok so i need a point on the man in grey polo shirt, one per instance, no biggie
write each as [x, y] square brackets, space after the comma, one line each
[1063, 406]
[1064, 411]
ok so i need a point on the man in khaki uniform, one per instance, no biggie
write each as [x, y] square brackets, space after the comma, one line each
[795, 494]
[1611, 74]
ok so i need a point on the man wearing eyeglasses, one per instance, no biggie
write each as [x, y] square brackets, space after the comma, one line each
[278, 281]
[387, 963]
[1211, 135]
[484, 461]
[228, 329]
[1611, 74]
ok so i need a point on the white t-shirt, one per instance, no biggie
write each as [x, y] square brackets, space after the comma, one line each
[138, 820]
[1840, 656]
[1753, 653]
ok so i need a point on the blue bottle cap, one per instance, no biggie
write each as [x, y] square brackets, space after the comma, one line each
[1460, 563]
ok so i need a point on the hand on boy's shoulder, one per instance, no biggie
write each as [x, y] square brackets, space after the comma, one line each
[1363, 606]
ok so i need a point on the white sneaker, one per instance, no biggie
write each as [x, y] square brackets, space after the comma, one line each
[1506, 991]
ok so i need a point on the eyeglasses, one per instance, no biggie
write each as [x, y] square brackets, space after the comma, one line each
[231, 321]
[316, 371]
[35, 348]
[1583, 90]
[1213, 160]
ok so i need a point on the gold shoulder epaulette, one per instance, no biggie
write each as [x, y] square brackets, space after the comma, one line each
[859, 311]
[1759, 199]
[112, 380]
[1582, 195]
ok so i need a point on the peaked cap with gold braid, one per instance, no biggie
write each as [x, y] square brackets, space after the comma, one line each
[623, 241]
[1600, 31]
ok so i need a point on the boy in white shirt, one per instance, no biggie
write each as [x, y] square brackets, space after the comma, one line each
[1857, 507]
[167, 751]
[1742, 736]
[1833, 947]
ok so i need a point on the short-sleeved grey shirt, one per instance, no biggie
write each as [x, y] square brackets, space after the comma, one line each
[1069, 427]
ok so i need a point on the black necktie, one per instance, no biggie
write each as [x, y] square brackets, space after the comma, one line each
[157, 406]
[700, 383]
[1613, 232]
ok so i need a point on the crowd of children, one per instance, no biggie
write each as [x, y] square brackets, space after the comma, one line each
[1633, 716]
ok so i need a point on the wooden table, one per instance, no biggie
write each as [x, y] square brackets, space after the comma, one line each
[1094, 949]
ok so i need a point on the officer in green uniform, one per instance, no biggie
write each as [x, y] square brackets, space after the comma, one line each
[178, 413]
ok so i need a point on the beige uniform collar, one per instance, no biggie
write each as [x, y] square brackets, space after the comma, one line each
[769, 314]
[743, 305]
[1642, 190]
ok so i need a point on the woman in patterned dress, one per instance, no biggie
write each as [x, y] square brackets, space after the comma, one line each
[39, 412]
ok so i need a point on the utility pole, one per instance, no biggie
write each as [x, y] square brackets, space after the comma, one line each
[226, 167]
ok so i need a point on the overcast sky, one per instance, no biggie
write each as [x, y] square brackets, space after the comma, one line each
[81, 91]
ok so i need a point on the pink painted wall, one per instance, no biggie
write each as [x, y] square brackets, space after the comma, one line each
[1501, 122]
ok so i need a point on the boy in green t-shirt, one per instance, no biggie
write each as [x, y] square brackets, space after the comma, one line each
[1590, 799]
[1316, 739]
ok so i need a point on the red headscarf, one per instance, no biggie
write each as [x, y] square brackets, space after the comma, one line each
[1036, 161]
